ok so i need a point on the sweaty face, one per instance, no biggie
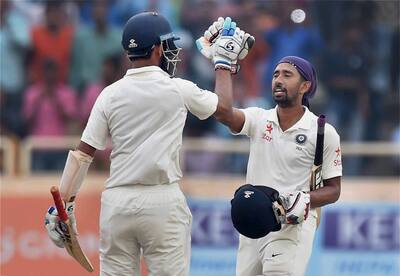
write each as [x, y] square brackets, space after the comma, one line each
[286, 82]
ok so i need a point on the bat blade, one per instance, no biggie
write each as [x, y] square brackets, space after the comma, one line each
[71, 242]
[316, 178]
[316, 171]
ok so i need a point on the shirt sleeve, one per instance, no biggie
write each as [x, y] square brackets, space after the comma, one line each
[96, 130]
[199, 102]
[249, 127]
[332, 163]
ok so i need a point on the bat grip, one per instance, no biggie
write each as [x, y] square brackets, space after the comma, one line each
[321, 123]
[59, 203]
[319, 151]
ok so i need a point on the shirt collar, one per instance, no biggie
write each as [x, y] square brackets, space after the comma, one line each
[145, 69]
[304, 122]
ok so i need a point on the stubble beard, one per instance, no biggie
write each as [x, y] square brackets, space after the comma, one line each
[284, 101]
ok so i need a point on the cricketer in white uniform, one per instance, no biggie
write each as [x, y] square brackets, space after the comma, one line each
[143, 211]
[282, 148]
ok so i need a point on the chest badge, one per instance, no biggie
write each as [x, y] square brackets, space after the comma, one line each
[301, 139]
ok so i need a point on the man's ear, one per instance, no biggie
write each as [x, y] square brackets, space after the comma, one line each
[305, 87]
[160, 50]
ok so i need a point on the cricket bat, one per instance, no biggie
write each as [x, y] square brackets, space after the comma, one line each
[71, 242]
[316, 171]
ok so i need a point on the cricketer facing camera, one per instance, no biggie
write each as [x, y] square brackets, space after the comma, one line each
[143, 210]
[282, 147]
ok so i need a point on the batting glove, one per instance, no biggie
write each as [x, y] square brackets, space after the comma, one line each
[296, 206]
[52, 223]
[205, 42]
[221, 31]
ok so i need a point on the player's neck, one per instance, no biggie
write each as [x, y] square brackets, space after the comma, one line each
[288, 116]
[143, 63]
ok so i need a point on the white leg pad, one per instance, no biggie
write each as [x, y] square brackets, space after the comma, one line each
[74, 173]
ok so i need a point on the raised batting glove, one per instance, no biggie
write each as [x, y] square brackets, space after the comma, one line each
[52, 223]
[296, 206]
[205, 42]
[247, 44]
[227, 47]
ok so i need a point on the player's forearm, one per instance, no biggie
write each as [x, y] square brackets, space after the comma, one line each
[86, 148]
[74, 173]
[328, 194]
[223, 88]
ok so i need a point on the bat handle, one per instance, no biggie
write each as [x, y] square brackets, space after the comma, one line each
[321, 120]
[59, 203]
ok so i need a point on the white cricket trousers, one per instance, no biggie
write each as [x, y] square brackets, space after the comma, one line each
[282, 253]
[141, 219]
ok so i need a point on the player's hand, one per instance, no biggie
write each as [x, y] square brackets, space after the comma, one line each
[204, 43]
[52, 223]
[227, 47]
[297, 206]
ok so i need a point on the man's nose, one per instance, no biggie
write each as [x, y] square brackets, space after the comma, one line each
[277, 81]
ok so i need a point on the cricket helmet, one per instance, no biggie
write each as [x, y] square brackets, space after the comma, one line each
[253, 211]
[145, 30]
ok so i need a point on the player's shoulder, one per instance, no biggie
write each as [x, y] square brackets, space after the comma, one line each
[187, 88]
[330, 130]
[259, 112]
[182, 83]
[110, 90]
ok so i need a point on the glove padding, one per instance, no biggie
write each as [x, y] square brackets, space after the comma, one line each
[52, 223]
[296, 206]
[221, 34]
[205, 42]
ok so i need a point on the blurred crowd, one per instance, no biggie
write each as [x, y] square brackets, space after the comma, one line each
[57, 56]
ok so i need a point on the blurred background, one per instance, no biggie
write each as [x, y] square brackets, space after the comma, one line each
[57, 56]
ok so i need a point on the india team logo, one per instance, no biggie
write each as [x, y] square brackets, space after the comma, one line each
[301, 139]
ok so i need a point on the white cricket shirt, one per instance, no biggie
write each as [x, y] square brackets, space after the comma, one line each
[283, 159]
[145, 112]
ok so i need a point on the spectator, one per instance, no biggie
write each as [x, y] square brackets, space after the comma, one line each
[49, 106]
[52, 40]
[110, 73]
[92, 45]
[14, 43]
[122, 10]
[344, 75]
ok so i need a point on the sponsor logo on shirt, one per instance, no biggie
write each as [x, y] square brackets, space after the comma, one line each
[268, 132]
[269, 128]
[337, 161]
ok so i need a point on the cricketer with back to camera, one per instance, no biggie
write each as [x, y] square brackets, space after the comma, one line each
[276, 212]
[143, 210]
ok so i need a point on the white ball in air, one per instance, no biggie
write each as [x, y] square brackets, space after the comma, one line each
[298, 16]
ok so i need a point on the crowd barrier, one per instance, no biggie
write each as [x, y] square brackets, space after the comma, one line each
[21, 163]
